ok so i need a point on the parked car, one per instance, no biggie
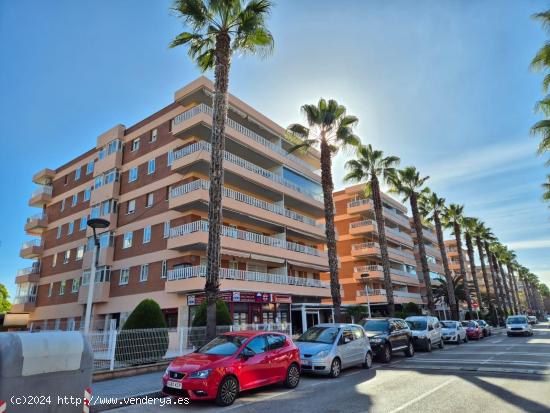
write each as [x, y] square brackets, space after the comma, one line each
[388, 336]
[532, 319]
[487, 329]
[473, 330]
[518, 324]
[329, 348]
[426, 332]
[233, 362]
[453, 332]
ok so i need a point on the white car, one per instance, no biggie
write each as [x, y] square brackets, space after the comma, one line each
[453, 332]
[518, 324]
[426, 332]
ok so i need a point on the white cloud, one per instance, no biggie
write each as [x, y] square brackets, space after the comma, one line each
[529, 244]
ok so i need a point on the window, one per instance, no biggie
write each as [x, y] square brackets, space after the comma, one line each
[54, 260]
[124, 276]
[258, 345]
[127, 243]
[67, 257]
[164, 269]
[83, 223]
[147, 234]
[112, 147]
[131, 206]
[75, 200]
[153, 136]
[144, 273]
[276, 341]
[77, 174]
[66, 180]
[71, 228]
[135, 144]
[169, 157]
[166, 229]
[62, 287]
[58, 235]
[80, 252]
[149, 199]
[150, 166]
[50, 290]
[133, 174]
[76, 284]
[87, 193]
[89, 168]
[62, 205]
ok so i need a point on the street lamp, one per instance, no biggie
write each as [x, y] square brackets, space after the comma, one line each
[365, 276]
[93, 223]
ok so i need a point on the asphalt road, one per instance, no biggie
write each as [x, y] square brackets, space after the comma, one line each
[496, 374]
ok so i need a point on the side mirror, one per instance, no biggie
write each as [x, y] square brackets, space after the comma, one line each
[430, 328]
[246, 353]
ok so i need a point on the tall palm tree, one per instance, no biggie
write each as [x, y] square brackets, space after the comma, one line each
[371, 165]
[470, 225]
[409, 184]
[431, 206]
[546, 187]
[481, 233]
[217, 30]
[452, 219]
[507, 259]
[523, 274]
[488, 238]
[494, 262]
[541, 63]
[329, 128]
[499, 252]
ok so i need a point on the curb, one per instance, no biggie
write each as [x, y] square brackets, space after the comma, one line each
[480, 370]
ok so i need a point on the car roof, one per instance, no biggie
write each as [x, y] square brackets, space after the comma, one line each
[250, 333]
[339, 325]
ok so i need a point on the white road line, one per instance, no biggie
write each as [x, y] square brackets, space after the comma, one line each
[422, 396]
[526, 363]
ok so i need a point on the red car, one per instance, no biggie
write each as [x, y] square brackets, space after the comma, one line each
[473, 330]
[231, 363]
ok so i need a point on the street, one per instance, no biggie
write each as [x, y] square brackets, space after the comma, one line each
[496, 374]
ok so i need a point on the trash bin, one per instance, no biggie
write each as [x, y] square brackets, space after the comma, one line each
[44, 372]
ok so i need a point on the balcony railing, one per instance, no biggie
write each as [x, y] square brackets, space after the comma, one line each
[24, 299]
[35, 269]
[382, 292]
[368, 201]
[247, 199]
[36, 217]
[363, 223]
[202, 108]
[44, 189]
[31, 243]
[395, 271]
[202, 226]
[364, 245]
[232, 274]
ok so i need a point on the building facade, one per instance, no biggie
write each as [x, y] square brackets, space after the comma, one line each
[150, 181]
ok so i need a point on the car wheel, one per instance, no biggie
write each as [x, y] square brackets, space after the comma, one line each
[335, 368]
[466, 338]
[428, 346]
[458, 340]
[441, 344]
[409, 352]
[227, 391]
[509, 335]
[368, 360]
[385, 355]
[292, 376]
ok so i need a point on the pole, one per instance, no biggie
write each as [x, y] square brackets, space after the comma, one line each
[368, 301]
[91, 283]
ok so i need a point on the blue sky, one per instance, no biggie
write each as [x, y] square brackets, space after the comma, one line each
[445, 85]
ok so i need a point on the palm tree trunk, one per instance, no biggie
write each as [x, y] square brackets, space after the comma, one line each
[448, 275]
[380, 224]
[502, 296]
[528, 300]
[498, 298]
[486, 278]
[328, 188]
[505, 282]
[462, 266]
[512, 289]
[470, 248]
[217, 140]
[516, 291]
[422, 252]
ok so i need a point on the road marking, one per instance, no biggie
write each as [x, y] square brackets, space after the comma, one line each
[526, 363]
[422, 396]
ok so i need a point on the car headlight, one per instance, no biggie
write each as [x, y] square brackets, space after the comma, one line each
[375, 340]
[322, 354]
[167, 371]
[421, 336]
[201, 374]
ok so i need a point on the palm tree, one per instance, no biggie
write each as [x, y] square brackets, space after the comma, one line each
[523, 274]
[481, 233]
[217, 30]
[498, 275]
[431, 206]
[470, 225]
[408, 183]
[541, 62]
[507, 258]
[456, 288]
[371, 165]
[499, 254]
[452, 219]
[329, 128]
[546, 187]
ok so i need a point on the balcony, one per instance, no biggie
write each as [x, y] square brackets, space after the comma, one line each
[36, 224]
[368, 226]
[31, 249]
[45, 176]
[105, 192]
[245, 136]
[106, 254]
[192, 279]
[373, 248]
[195, 234]
[29, 274]
[377, 296]
[377, 271]
[23, 304]
[431, 235]
[363, 205]
[41, 196]
[100, 294]
[244, 169]
[182, 196]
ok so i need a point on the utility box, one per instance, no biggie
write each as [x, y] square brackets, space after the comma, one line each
[44, 372]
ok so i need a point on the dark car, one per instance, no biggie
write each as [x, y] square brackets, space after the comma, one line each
[487, 329]
[388, 336]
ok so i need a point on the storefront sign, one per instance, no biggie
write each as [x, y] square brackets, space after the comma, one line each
[278, 298]
[236, 296]
[242, 297]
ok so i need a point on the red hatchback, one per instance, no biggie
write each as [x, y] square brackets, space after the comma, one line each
[473, 330]
[233, 362]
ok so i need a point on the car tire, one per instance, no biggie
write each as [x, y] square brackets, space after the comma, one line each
[409, 352]
[227, 391]
[428, 346]
[335, 368]
[458, 340]
[292, 376]
[385, 355]
[509, 335]
[368, 360]
[441, 344]
[466, 339]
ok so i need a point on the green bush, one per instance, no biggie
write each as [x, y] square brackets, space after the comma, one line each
[400, 314]
[223, 317]
[150, 343]
[412, 309]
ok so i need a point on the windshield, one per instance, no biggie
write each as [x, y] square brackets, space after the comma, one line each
[376, 325]
[325, 335]
[417, 324]
[481, 322]
[516, 320]
[448, 324]
[469, 324]
[223, 346]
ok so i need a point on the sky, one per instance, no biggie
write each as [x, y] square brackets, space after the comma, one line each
[443, 84]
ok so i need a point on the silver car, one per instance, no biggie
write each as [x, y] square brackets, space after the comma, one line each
[329, 348]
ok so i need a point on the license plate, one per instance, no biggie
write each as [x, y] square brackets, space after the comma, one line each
[306, 362]
[174, 384]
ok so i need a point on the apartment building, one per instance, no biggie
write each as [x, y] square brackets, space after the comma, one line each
[150, 181]
[359, 250]
[454, 262]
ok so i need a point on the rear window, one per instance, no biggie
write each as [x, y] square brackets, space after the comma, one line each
[448, 324]
[417, 324]
[376, 325]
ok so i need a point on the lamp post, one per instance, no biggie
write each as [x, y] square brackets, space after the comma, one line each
[93, 223]
[365, 276]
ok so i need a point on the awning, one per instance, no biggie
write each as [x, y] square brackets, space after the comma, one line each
[233, 253]
[308, 266]
[266, 258]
